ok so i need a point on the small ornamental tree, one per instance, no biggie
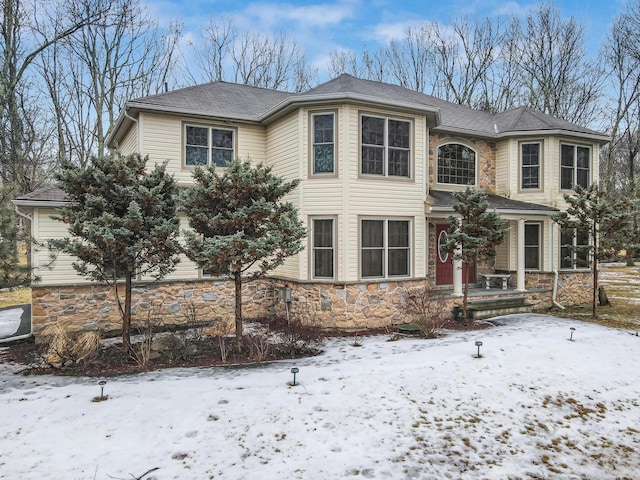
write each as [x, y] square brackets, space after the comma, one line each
[474, 232]
[240, 224]
[122, 222]
[608, 223]
[14, 271]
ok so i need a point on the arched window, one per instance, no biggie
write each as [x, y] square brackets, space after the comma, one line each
[456, 164]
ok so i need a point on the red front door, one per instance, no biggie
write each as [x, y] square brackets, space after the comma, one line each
[444, 260]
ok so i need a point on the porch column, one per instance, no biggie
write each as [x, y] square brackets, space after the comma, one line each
[457, 274]
[520, 265]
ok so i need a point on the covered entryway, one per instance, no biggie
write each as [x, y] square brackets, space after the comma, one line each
[444, 260]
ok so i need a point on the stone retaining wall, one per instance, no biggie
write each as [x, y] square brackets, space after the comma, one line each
[82, 308]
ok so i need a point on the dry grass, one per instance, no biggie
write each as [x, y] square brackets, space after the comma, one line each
[622, 284]
[15, 297]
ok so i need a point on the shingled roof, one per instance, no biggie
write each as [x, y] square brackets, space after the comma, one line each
[243, 103]
[441, 201]
[50, 194]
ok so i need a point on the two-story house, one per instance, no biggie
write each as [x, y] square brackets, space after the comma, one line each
[377, 164]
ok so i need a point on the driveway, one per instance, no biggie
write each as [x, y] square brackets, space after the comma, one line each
[15, 321]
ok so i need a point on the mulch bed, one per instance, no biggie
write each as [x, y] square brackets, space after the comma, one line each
[110, 360]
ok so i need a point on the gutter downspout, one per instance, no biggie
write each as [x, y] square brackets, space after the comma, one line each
[134, 120]
[555, 270]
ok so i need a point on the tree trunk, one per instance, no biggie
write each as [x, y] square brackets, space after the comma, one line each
[126, 316]
[237, 278]
[465, 293]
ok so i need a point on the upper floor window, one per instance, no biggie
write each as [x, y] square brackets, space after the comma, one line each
[323, 135]
[575, 167]
[385, 248]
[208, 146]
[530, 154]
[456, 164]
[386, 146]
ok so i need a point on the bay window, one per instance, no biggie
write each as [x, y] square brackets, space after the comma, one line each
[385, 146]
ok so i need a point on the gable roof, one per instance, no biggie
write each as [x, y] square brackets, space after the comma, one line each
[243, 103]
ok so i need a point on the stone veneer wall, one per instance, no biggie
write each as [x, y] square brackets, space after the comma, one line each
[341, 306]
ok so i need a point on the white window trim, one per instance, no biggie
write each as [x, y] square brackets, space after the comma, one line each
[385, 161]
[476, 166]
[385, 257]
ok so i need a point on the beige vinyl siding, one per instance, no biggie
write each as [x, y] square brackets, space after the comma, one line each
[61, 271]
[503, 251]
[503, 168]
[129, 143]
[382, 197]
[162, 140]
[284, 153]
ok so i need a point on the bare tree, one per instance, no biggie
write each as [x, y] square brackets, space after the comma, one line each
[251, 58]
[560, 79]
[29, 28]
[369, 65]
[95, 71]
[622, 56]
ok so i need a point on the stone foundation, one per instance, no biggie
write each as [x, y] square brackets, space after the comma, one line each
[82, 308]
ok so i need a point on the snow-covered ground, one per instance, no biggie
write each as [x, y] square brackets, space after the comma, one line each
[535, 405]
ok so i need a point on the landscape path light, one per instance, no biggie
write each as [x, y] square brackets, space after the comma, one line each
[478, 344]
[571, 336]
[102, 383]
[294, 370]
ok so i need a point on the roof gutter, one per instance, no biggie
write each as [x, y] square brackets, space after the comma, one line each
[292, 103]
[546, 213]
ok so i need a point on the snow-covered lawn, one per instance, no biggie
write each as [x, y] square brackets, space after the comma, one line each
[536, 405]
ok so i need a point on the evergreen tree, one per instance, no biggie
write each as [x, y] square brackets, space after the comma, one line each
[14, 271]
[122, 222]
[474, 232]
[608, 223]
[240, 224]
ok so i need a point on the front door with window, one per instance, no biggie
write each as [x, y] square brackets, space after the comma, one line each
[444, 260]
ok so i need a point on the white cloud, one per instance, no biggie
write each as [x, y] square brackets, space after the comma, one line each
[320, 15]
[515, 9]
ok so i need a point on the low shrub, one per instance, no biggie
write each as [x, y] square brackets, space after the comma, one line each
[427, 309]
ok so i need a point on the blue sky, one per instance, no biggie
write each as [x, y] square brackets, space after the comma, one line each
[324, 26]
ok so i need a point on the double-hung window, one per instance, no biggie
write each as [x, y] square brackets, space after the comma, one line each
[323, 143]
[456, 164]
[385, 146]
[322, 246]
[208, 146]
[574, 248]
[385, 248]
[532, 246]
[530, 154]
[575, 165]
